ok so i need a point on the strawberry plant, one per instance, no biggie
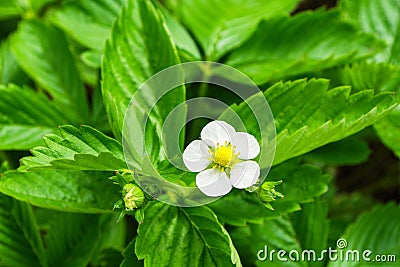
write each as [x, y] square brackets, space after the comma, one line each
[199, 133]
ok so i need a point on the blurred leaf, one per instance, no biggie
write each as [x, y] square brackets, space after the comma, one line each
[241, 208]
[107, 258]
[55, 71]
[209, 243]
[77, 149]
[76, 191]
[114, 233]
[36, 5]
[344, 152]
[305, 229]
[32, 8]
[20, 243]
[187, 48]
[71, 239]
[388, 131]
[365, 75]
[112, 242]
[140, 46]
[377, 231]
[223, 26]
[130, 258]
[10, 72]
[308, 115]
[25, 116]
[92, 58]
[344, 209]
[288, 46]
[97, 17]
[3, 167]
[273, 234]
[9, 9]
[301, 183]
[312, 225]
[380, 18]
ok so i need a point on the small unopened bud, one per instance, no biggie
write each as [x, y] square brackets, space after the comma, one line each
[267, 193]
[133, 196]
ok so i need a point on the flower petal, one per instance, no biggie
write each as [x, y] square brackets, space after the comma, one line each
[196, 156]
[246, 145]
[217, 132]
[213, 182]
[245, 174]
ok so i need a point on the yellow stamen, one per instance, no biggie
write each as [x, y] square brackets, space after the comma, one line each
[223, 156]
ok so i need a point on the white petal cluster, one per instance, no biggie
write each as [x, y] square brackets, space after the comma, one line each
[222, 158]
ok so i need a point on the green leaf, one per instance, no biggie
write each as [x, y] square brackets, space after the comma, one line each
[187, 48]
[377, 231]
[232, 21]
[106, 258]
[301, 183]
[287, 46]
[20, 243]
[3, 167]
[77, 149]
[350, 151]
[388, 131]
[10, 72]
[312, 225]
[36, 5]
[56, 71]
[344, 210]
[25, 116]
[76, 191]
[140, 46]
[380, 18]
[194, 235]
[365, 75]
[9, 9]
[71, 239]
[97, 16]
[241, 208]
[381, 77]
[130, 258]
[305, 229]
[275, 234]
[308, 115]
[91, 58]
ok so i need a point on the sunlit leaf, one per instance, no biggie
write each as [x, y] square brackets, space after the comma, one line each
[287, 46]
[308, 115]
[232, 21]
[77, 149]
[194, 234]
[77, 191]
[25, 116]
[56, 72]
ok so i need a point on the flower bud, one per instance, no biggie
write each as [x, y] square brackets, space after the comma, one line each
[133, 196]
[267, 193]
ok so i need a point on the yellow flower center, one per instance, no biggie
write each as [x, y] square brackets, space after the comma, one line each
[223, 156]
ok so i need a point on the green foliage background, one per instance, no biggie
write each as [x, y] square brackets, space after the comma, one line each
[68, 70]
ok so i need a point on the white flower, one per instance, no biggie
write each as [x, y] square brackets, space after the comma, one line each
[222, 159]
